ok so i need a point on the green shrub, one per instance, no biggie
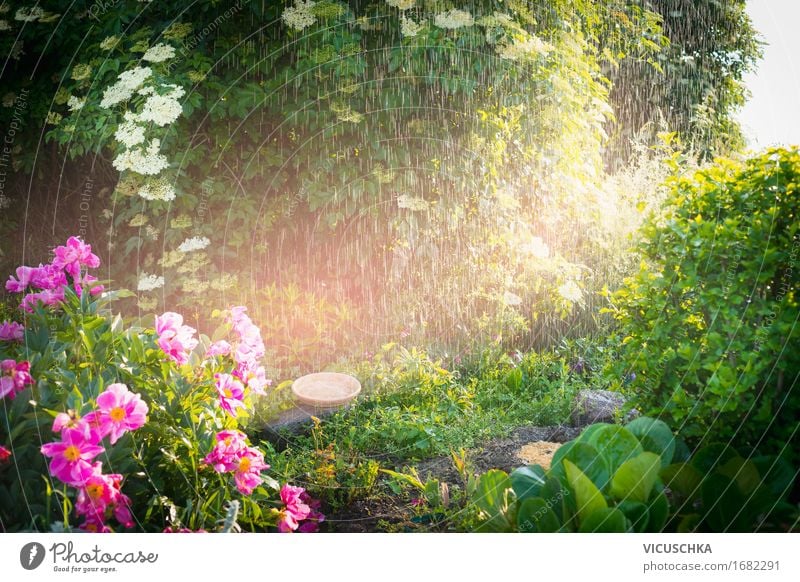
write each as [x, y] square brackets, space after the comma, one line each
[638, 479]
[708, 326]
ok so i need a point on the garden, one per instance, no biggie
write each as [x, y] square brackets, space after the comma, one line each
[529, 232]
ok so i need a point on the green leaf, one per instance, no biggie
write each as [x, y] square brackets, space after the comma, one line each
[658, 509]
[535, 515]
[494, 496]
[637, 513]
[588, 498]
[586, 458]
[605, 520]
[527, 481]
[682, 478]
[635, 479]
[616, 445]
[655, 437]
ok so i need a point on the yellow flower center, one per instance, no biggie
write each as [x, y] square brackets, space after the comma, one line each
[244, 465]
[117, 414]
[227, 393]
[95, 491]
[72, 453]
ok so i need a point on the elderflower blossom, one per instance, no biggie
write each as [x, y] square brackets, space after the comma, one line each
[159, 189]
[129, 133]
[138, 220]
[53, 118]
[149, 282]
[536, 247]
[300, 15]
[197, 243]
[126, 84]
[530, 47]
[409, 28]
[453, 19]
[145, 160]
[182, 221]
[31, 14]
[109, 43]
[159, 53]
[571, 292]
[81, 72]
[4, 25]
[75, 103]
[161, 110]
[412, 202]
[512, 299]
[401, 4]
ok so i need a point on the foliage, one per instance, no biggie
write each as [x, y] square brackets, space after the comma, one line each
[638, 478]
[440, 163]
[707, 324]
[698, 85]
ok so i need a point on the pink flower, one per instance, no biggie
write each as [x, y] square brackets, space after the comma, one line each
[5, 454]
[226, 453]
[72, 456]
[24, 277]
[14, 376]
[73, 256]
[120, 411]
[248, 472]
[11, 331]
[87, 280]
[295, 510]
[231, 393]
[174, 338]
[94, 526]
[48, 277]
[249, 350]
[219, 348]
[101, 496]
[48, 297]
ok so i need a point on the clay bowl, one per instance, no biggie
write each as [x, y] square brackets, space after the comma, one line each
[325, 389]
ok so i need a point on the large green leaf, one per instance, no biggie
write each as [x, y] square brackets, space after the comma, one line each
[635, 479]
[527, 481]
[658, 510]
[722, 503]
[682, 478]
[536, 515]
[493, 496]
[605, 520]
[616, 445]
[587, 459]
[655, 437]
[637, 513]
[588, 498]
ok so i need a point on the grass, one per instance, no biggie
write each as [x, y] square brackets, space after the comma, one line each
[414, 409]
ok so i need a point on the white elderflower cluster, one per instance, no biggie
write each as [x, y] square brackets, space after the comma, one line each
[159, 53]
[31, 14]
[453, 19]
[197, 243]
[126, 84]
[159, 189]
[81, 72]
[300, 15]
[409, 28]
[512, 299]
[75, 103]
[145, 160]
[109, 43]
[4, 25]
[412, 203]
[571, 292]
[401, 4]
[516, 50]
[536, 247]
[162, 109]
[149, 282]
[129, 133]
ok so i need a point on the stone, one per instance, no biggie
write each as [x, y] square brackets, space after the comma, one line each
[538, 453]
[591, 406]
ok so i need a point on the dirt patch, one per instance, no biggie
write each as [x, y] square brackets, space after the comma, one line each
[538, 453]
[499, 453]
